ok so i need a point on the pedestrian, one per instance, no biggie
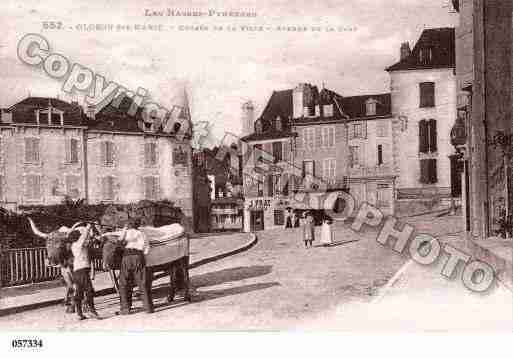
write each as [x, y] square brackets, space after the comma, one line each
[295, 219]
[288, 219]
[308, 229]
[82, 273]
[133, 268]
[326, 233]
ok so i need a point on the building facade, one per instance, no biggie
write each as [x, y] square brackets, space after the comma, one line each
[50, 149]
[484, 48]
[423, 97]
[372, 165]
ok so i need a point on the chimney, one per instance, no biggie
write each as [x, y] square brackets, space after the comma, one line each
[91, 112]
[248, 118]
[5, 117]
[298, 101]
[405, 50]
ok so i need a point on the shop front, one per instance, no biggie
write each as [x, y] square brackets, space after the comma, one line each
[264, 213]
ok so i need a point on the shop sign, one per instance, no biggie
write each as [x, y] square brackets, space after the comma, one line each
[259, 204]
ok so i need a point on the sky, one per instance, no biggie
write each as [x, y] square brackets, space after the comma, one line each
[220, 70]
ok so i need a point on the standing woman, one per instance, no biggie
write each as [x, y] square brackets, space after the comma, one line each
[326, 234]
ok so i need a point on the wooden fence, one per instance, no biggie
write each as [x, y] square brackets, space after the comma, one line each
[30, 265]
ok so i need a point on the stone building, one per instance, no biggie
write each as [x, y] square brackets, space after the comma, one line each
[300, 140]
[372, 165]
[423, 97]
[51, 149]
[42, 152]
[483, 53]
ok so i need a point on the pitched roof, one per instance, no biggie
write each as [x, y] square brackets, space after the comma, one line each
[280, 104]
[442, 44]
[355, 106]
[118, 119]
[24, 111]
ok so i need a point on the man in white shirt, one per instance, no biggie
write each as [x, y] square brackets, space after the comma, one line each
[133, 268]
[82, 270]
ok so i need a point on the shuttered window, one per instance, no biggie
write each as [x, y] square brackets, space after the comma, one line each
[428, 173]
[108, 188]
[150, 188]
[32, 150]
[382, 129]
[107, 153]
[33, 187]
[427, 94]
[277, 152]
[359, 130]
[329, 168]
[1, 187]
[380, 155]
[71, 150]
[427, 136]
[309, 138]
[328, 136]
[150, 154]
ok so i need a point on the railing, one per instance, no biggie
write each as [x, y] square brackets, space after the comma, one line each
[30, 265]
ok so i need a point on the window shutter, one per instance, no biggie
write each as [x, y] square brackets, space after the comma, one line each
[299, 140]
[364, 130]
[432, 136]
[432, 171]
[286, 151]
[67, 149]
[424, 171]
[103, 153]
[423, 136]
[380, 154]
[318, 137]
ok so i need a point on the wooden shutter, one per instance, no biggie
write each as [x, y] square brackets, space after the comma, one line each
[423, 136]
[67, 149]
[299, 140]
[433, 177]
[318, 137]
[286, 151]
[103, 153]
[424, 171]
[364, 129]
[432, 136]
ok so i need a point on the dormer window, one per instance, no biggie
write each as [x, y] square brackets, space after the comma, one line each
[328, 110]
[426, 55]
[370, 107]
[258, 126]
[50, 116]
[278, 124]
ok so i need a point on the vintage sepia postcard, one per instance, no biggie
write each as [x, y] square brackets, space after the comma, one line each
[332, 165]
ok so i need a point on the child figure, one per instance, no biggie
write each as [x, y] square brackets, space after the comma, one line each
[82, 271]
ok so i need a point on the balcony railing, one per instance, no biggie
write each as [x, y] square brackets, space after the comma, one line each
[29, 265]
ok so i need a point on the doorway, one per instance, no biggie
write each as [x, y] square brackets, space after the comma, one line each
[257, 221]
